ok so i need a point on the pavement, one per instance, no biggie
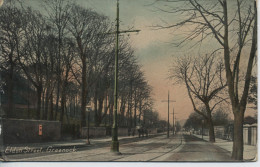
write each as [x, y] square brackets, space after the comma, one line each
[250, 152]
[67, 143]
[180, 147]
[154, 148]
[22, 148]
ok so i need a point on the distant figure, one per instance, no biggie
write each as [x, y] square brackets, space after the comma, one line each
[78, 131]
[139, 132]
[133, 132]
[146, 132]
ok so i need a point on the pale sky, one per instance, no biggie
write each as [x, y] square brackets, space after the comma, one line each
[152, 47]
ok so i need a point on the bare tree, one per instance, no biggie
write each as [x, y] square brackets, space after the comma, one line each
[32, 57]
[234, 28]
[11, 38]
[58, 16]
[203, 78]
[86, 27]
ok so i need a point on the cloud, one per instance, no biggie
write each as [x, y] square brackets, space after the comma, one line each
[148, 35]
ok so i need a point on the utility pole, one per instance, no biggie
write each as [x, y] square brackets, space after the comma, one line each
[174, 121]
[173, 125]
[115, 142]
[168, 127]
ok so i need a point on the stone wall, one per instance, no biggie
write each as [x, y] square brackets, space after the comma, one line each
[27, 131]
[122, 131]
[152, 131]
[93, 132]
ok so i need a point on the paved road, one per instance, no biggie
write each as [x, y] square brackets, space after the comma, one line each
[177, 148]
[196, 149]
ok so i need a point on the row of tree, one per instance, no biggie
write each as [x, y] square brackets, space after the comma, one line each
[66, 55]
[220, 118]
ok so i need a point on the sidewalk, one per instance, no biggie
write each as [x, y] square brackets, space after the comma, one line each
[250, 152]
[78, 143]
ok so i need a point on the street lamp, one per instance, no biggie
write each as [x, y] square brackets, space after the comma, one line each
[89, 109]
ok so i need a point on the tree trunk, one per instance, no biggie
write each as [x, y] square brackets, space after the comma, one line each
[46, 107]
[140, 111]
[238, 146]
[67, 115]
[42, 104]
[57, 100]
[100, 109]
[95, 109]
[63, 103]
[51, 107]
[10, 112]
[111, 113]
[39, 95]
[121, 116]
[211, 130]
[74, 106]
[135, 110]
[84, 93]
[28, 101]
[106, 108]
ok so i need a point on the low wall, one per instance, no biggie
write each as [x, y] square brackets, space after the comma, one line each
[122, 131]
[27, 131]
[93, 132]
[152, 131]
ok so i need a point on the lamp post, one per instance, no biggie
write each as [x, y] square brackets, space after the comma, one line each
[88, 141]
[115, 142]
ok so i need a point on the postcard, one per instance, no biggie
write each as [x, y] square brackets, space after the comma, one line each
[128, 81]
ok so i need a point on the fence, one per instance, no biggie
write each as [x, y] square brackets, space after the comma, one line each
[249, 133]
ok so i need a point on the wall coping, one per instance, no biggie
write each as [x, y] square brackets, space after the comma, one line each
[32, 120]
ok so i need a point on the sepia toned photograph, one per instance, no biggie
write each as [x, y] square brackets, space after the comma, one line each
[128, 81]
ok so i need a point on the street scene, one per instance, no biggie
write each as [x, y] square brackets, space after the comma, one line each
[128, 81]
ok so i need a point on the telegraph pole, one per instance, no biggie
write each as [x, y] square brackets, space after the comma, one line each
[168, 127]
[115, 142]
[174, 121]
[173, 125]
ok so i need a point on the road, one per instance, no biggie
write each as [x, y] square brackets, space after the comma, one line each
[180, 147]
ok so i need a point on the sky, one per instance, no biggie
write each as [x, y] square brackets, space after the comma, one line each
[152, 47]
